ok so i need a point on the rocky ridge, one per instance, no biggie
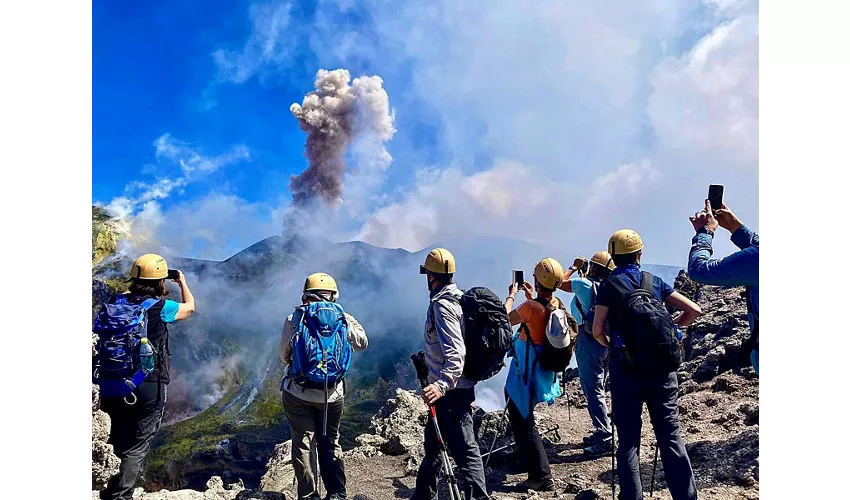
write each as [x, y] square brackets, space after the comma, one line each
[719, 414]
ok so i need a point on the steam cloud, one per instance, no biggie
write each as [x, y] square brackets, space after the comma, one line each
[332, 116]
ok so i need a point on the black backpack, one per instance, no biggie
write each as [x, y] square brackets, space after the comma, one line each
[556, 359]
[487, 333]
[651, 344]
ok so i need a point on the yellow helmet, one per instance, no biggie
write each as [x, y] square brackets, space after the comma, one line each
[320, 281]
[149, 266]
[604, 259]
[549, 273]
[440, 261]
[625, 241]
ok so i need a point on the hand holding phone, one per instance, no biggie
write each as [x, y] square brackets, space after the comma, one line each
[518, 277]
[173, 274]
[715, 196]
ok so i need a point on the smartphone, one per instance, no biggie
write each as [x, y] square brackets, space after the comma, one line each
[173, 274]
[715, 196]
[518, 277]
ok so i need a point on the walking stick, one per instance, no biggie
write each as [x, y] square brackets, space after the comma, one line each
[550, 430]
[613, 453]
[654, 467]
[422, 374]
[490, 453]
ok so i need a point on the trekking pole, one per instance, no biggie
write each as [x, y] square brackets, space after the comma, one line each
[613, 453]
[490, 453]
[654, 467]
[422, 374]
[564, 391]
[318, 472]
[554, 429]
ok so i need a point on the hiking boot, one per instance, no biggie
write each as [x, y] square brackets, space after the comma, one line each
[601, 449]
[538, 484]
[591, 438]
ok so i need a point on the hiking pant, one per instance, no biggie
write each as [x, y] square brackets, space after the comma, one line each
[628, 394]
[133, 428]
[454, 416]
[305, 422]
[529, 443]
[592, 359]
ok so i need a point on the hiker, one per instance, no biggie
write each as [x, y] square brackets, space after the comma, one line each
[449, 391]
[312, 391]
[591, 356]
[645, 354]
[136, 418]
[740, 268]
[529, 383]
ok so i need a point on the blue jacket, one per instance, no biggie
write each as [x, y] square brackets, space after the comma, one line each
[740, 268]
[526, 390]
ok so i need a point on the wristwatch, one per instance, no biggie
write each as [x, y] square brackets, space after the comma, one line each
[573, 268]
[706, 231]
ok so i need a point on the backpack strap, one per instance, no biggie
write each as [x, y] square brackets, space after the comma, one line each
[585, 311]
[646, 281]
[148, 303]
[617, 285]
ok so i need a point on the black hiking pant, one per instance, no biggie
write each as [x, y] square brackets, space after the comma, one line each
[529, 443]
[305, 423]
[454, 416]
[628, 394]
[133, 428]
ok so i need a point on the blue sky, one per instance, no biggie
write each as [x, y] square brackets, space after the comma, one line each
[558, 124]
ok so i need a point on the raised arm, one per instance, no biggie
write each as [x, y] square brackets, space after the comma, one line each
[285, 339]
[566, 285]
[740, 268]
[186, 306]
[356, 334]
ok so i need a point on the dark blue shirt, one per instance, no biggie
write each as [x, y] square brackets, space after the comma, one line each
[630, 276]
[610, 298]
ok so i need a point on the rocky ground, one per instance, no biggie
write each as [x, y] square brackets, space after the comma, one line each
[718, 411]
[104, 463]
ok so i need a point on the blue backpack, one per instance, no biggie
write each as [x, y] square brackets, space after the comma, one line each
[321, 354]
[120, 327]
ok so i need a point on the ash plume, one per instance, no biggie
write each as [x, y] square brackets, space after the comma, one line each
[333, 115]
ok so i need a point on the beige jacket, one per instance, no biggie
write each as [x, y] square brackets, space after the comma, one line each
[357, 339]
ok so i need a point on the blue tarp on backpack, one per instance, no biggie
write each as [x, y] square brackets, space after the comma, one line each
[528, 386]
[321, 354]
[120, 327]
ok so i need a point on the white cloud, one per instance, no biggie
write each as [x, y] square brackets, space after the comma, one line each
[138, 212]
[269, 43]
[214, 226]
[191, 160]
[706, 102]
[509, 199]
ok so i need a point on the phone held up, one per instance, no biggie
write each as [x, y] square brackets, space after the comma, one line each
[173, 274]
[715, 196]
[518, 277]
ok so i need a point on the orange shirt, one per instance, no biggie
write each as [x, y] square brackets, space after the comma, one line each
[535, 316]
